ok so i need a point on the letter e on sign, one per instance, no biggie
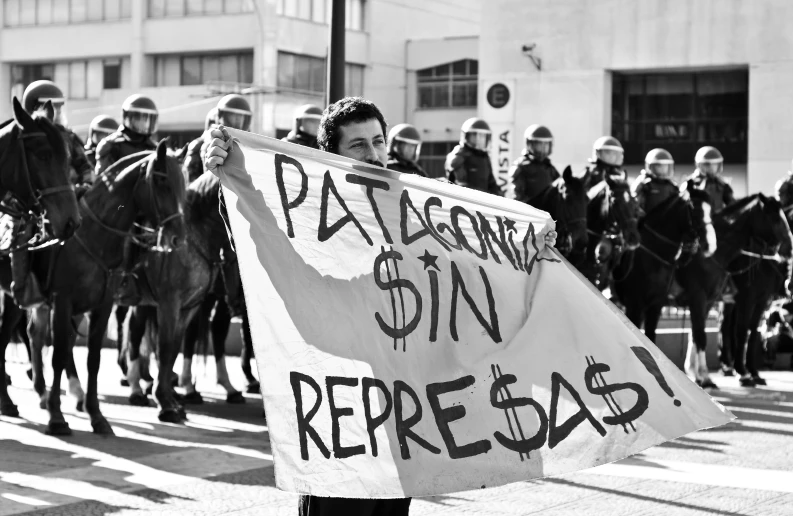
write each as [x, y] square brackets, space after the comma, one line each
[498, 95]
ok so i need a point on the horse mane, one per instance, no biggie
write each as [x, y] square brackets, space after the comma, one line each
[739, 206]
[202, 197]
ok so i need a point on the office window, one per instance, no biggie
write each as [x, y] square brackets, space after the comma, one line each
[27, 13]
[162, 8]
[201, 69]
[94, 73]
[111, 74]
[11, 12]
[77, 80]
[319, 11]
[94, 10]
[78, 11]
[353, 80]
[48, 12]
[452, 85]
[43, 12]
[433, 157]
[681, 112]
[307, 73]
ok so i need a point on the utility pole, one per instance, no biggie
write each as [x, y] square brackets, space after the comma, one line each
[335, 76]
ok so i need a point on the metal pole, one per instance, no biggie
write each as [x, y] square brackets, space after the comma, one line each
[335, 77]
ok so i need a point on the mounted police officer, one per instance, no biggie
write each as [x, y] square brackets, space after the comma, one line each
[655, 183]
[468, 164]
[138, 122]
[101, 127]
[193, 165]
[607, 158]
[404, 149]
[533, 172]
[708, 177]
[305, 126]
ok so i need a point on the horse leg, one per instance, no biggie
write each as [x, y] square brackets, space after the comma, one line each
[698, 340]
[753, 344]
[652, 314]
[191, 396]
[40, 334]
[740, 334]
[12, 314]
[136, 326]
[75, 389]
[22, 335]
[170, 330]
[253, 386]
[97, 327]
[121, 315]
[727, 334]
[635, 314]
[221, 322]
[62, 341]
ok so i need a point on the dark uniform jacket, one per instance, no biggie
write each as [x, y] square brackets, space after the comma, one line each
[301, 139]
[90, 155]
[650, 191]
[531, 177]
[80, 169]
[404, 166]
[193, 165]
[469, 167]
[720, 192]
[118, 145]
[602, 170]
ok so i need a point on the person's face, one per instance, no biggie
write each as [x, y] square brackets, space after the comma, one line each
[710, 169]
[363, 141]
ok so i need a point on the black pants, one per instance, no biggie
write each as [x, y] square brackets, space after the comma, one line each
[321, 506]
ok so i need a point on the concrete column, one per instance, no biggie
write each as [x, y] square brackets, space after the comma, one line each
[136, 57]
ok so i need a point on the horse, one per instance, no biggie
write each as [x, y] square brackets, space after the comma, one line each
[82, 275]
[750, 226]
[566, 201]
[176, 284]
[612, 225]
[643, 277]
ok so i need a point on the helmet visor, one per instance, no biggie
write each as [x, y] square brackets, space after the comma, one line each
[408, 151]
[611, 157]
[662, 170]
[539, 149]
[479, 140]
[141, 123]
[235, 120]
[309, 125]
[710, 169]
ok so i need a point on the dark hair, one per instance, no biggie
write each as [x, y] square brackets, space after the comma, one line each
[345, 111]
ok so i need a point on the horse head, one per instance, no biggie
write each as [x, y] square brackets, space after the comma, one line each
[162, 200]
[34, 169]
[624, 209]
[773, 229]
[701, 219]
[573, 191]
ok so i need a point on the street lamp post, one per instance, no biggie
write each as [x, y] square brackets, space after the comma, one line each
[336, 59]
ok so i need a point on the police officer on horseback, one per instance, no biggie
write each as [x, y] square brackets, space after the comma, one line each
[468, 164]
[305, 126]
[655, 183]
[139, 121]
[533, 172]
[101, 127]
[708, 177]
[404, 149]
[193, 165]
[607, 158]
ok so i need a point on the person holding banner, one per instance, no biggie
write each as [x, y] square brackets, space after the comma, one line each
[354, 128]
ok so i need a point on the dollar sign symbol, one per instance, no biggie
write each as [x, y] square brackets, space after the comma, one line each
[396, 331]
[596, 384]
[508, 404]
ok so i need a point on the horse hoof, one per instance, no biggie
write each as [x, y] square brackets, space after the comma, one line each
[170, 416]
[759, 381]
[747, 382]
[137, 399]
[235, 398]
[58, 428]
[728, 371]
[124, 382]
[253, 388]
[9, 409]
[708, 384]
[102, 427]
[192, 398]
[79, 406]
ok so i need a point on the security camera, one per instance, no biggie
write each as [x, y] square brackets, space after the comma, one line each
[528, 51]
[529, 48]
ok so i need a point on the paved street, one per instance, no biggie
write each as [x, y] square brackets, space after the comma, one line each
[219, 462]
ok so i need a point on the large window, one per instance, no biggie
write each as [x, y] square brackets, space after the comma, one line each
[189, 70]
[47, 12]
[318, 11]
[163, 8]
[77, 79]
[433, 157]
[681, 112]
[452, 85]
[303, 73]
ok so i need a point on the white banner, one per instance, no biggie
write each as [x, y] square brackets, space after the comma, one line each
[416, 338]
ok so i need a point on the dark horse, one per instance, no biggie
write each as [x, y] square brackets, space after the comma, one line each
[83, 274]
[176, 285]
[566, 202]
[612, 225]
[643, 278]
[748, 231]
[34, 186]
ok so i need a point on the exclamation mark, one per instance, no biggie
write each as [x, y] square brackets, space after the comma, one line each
[649, 362]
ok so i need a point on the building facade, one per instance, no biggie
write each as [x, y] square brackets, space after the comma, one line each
[677, 74]
[186, 54]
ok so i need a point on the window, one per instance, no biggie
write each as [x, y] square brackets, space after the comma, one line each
[681, 112]
[111, 74]
[433, 157]
[319, 11]
[201, 69]
[163, 8]
[452, 85]
[77, 79]
[48, 12]
[307, 74]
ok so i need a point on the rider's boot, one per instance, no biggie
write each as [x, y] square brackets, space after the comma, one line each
[25, 287]
[128, 293]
